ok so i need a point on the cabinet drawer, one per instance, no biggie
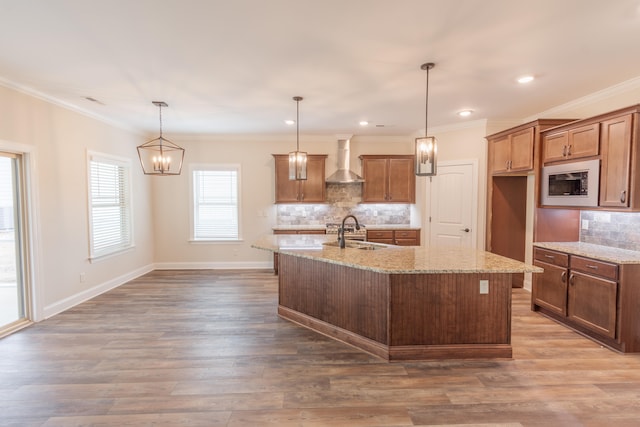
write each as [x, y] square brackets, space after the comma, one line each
[594, 267]
[406, 234]
[551, 257]
[379, 234]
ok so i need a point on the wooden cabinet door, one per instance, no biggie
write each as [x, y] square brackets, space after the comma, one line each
[380, 236]
[500, 154]
[402, 188]
[375, 174]
[549, 289]
[286, 191]
[616, 161]
[313, 189]
[521, 151]
[554, 146]
[583, 141]
[592, 303]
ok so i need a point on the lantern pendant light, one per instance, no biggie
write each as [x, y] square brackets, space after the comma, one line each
[297, 159]
[161, 156]
[426, 148]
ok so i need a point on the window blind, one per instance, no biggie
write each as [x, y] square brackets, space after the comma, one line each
[215, 207]
[109, 196]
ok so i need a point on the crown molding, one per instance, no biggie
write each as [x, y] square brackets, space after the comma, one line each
[26, 90]
[588, 100]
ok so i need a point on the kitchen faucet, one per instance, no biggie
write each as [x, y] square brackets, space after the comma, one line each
[341, 239]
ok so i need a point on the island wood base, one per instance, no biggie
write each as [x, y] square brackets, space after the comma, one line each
[399, 316]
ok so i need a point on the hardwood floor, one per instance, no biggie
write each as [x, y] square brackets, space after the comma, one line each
[206, 348]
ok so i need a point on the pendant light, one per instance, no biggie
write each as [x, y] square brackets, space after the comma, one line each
[161, 156]
[297, 159]
[426, 149]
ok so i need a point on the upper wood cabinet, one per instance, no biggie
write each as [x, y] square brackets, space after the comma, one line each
[311, 190]
[614, 138]
[615, 171]
[512, 152]
[388, 179]
[571, 144]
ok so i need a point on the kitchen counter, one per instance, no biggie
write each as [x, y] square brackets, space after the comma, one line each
[316, 227]
[391, 227]
[392, 259]
[589, 250]
[398, 303]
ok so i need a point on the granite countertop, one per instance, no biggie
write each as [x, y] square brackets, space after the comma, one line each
[394, 259]
[602, 253]
[391, 227]
[300, 227]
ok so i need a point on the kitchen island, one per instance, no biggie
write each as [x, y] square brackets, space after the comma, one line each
[399, 303]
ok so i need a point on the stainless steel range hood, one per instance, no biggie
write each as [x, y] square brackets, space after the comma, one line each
[343, 175]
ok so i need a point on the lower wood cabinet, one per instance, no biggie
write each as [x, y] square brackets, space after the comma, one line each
[395, 237]
[596, 298]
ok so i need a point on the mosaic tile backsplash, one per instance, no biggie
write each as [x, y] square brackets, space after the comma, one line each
[615, 229]
[343, 199]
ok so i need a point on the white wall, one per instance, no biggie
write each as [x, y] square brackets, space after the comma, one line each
[58, 140]
[254, 154]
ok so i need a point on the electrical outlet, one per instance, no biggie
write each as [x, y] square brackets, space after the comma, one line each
[484, 286]
[82, 277]
[585, 224]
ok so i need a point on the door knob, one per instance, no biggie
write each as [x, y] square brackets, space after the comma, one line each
[466, 230]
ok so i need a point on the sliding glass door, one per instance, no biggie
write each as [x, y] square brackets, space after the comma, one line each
[13, 295]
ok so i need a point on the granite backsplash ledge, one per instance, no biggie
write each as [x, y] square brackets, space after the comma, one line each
[615, 229]
[343, 199]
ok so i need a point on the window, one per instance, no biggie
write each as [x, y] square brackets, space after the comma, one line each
[110, 216]
[215, 210]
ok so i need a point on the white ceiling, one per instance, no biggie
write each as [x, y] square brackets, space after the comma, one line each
[233, 66]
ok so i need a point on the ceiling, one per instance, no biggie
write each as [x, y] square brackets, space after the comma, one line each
[233, 66]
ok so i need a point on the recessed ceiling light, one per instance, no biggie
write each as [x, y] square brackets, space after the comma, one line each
[525, 79]
[290, 122]
[465, 113]
[364, 123]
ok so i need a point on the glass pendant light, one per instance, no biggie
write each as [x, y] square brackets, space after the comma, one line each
[426, 148]
[161, 156]
[297, 159]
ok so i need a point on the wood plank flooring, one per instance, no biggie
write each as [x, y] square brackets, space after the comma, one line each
[206, 348]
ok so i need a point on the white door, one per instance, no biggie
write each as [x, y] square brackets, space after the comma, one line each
[453, 207]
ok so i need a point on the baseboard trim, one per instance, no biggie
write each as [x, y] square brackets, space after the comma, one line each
[214, 265]
[67, 303]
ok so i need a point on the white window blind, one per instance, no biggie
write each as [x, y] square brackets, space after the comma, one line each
[215, 203]
[110, 205]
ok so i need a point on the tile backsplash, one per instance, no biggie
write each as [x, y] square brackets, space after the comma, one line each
[615, 229]
[343, 199]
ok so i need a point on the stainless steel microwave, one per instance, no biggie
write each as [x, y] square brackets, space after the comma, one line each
[571, 184]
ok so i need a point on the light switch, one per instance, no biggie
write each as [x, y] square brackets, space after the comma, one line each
[484, 286]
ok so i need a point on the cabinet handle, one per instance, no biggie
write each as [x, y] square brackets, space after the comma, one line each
[572, 279]
[506, 164]
[549, 256]
[568, 150]
[623, 196]
[563, 277]
[564, 151]
[593, 267]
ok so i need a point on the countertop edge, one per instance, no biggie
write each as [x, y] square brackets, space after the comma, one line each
[590, 250]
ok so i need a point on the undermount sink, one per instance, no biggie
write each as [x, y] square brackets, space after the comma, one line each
[355, 244]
